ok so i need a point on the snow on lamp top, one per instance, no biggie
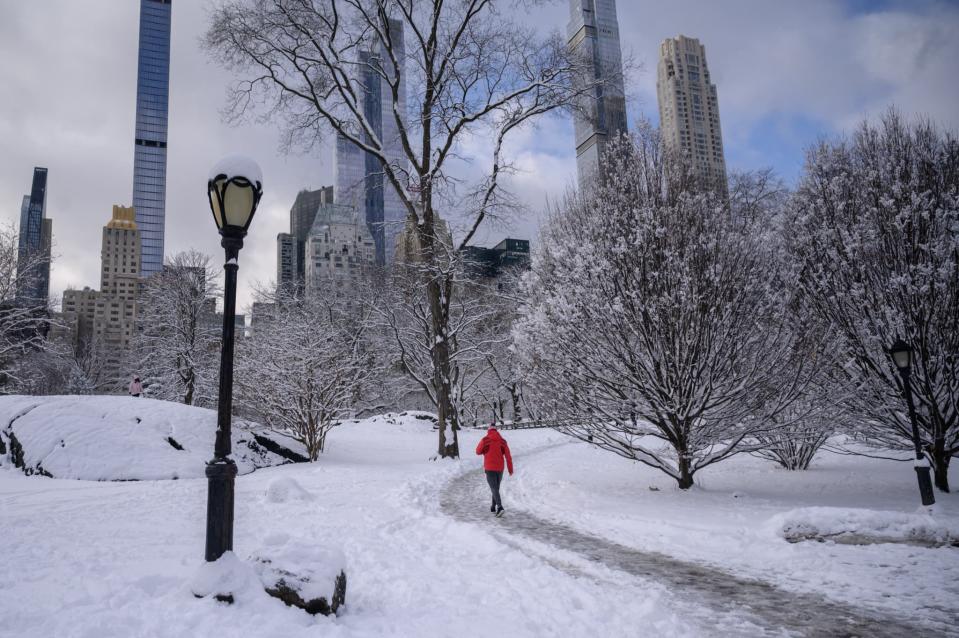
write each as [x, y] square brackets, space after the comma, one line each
[237, 166]
[235, 186]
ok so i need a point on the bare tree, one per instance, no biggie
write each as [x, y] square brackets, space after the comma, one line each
[875, 229]
[23, 322]
[405, 312]
[178, 334]
[460, 69]
[306, 369]
[658, 329]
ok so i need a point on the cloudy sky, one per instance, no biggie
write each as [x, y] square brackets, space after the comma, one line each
[787, 73]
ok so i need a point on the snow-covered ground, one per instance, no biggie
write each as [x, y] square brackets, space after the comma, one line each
[102, 559]
[735, 519]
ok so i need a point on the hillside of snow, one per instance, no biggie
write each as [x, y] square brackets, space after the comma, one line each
[113, 438]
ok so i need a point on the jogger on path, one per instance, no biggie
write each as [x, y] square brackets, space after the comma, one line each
[494, 448]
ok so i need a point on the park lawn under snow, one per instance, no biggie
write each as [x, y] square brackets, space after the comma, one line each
[737, 515]
[98, 559]
[102, 559]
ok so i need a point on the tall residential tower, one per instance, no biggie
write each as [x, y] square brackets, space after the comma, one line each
[359, 179]
[149, 158]
[33, 253]
[594, 34]
[689, 108]
[104, 322]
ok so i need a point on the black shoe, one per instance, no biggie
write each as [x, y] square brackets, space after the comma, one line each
[492, 507]
[500, 512]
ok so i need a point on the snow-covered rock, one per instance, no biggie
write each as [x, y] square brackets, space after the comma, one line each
[303, 574]
[111, 438]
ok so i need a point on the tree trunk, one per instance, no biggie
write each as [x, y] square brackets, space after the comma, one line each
[940, 465]
[685, 479]
[190, 385]
[517, 410]
[441, 371]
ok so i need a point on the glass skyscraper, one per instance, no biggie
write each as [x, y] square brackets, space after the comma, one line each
[594, 34]
[360, 182]
[33, 284]
[149, 158]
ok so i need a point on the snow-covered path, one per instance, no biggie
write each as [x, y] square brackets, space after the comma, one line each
[746, 607]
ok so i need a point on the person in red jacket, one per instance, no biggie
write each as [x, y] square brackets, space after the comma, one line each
[494, 448]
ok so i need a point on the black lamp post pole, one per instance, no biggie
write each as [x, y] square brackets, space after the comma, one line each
[221, 470]
[922, 466]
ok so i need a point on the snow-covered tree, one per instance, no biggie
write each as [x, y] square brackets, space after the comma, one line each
[305, 368]
[23, 322]
[804, 429]
[875, 230]
[655, 322]
[406, 315]
[463, 71]
[502, 386]
[178, 335]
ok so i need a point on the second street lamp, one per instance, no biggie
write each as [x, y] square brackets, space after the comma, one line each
[902, 356]
[234, 189]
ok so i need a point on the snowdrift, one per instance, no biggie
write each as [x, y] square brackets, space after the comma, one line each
[110, 438]
[862, 527]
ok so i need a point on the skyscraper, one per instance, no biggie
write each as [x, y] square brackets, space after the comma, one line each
[339, 249]
[359, 178]
[594, 34]
[33, 250]
[286, 278]
[291, 247]
[149, 158]
[689, 107]
[104, 321]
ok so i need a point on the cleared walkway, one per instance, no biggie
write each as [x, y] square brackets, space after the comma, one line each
[767, 609]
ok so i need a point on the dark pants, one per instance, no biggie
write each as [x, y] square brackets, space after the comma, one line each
[494, 479]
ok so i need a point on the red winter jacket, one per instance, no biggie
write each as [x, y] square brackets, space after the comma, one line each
[493, 447]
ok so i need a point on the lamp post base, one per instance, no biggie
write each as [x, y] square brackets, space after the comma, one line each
[925, 485]
[220, 473]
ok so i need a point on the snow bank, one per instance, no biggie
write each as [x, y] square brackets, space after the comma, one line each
[122, 438]
[862, 527]
[286, 489]
[227, 576]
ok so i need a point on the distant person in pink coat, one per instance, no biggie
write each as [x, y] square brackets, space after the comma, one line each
[136, 388]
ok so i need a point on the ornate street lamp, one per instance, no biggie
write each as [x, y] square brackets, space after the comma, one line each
[902, 356]
[234, 189]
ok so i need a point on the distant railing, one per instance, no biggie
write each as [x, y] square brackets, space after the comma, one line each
[533, 424]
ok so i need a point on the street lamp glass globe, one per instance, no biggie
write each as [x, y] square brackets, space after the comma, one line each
[234, 189]
[901, 354]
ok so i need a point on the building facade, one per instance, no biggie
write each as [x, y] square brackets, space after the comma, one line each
[689, 107]
[150, 143]
[490, 263]
[105, 320]
[286, 262]
[340, 248]
[594, 35]
[360, 182]
[33, 250]
[291, 247]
